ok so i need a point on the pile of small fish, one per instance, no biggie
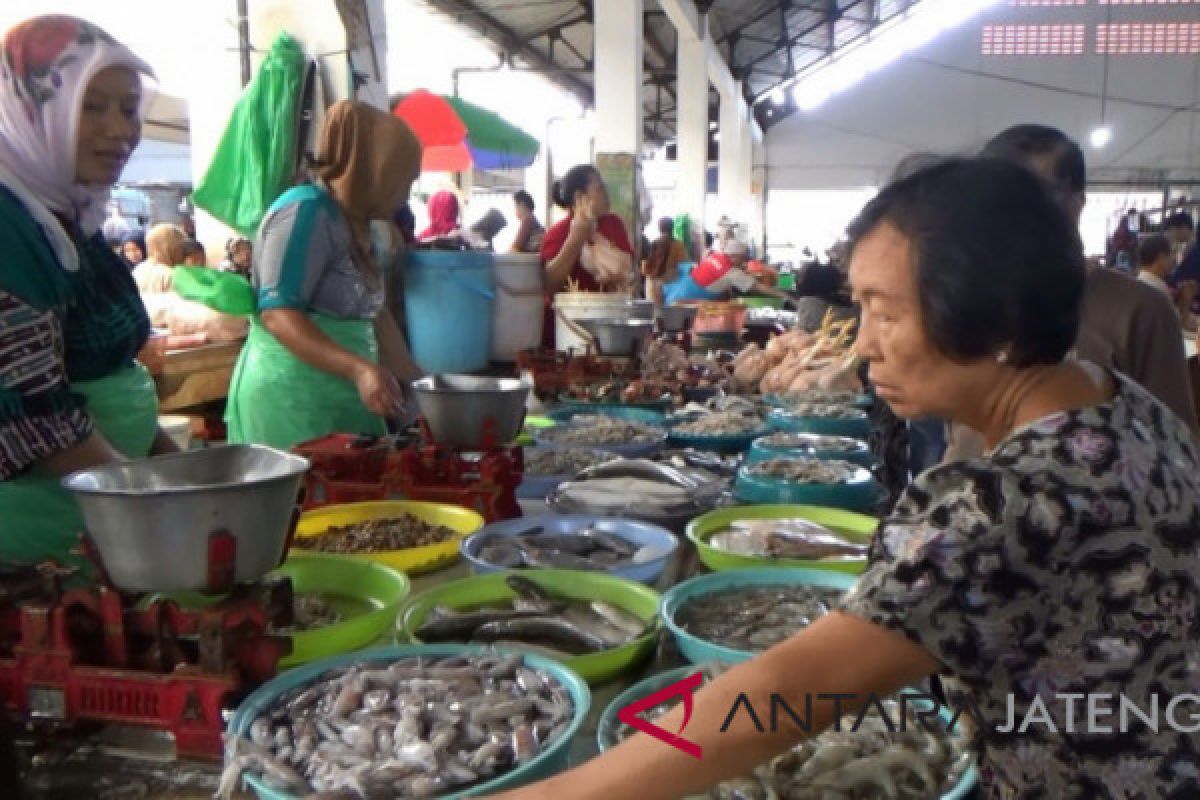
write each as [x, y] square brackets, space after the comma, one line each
[826, 410]
[813, 442]
[755, 618]
[785, 538]
[819, 396]
[805, 470]
[589, 548]
[309, 610]
[594, 429]
[563, 462]
[560, 626]
[721, 423]
[877, 757]
[418, 727]
[377, 535]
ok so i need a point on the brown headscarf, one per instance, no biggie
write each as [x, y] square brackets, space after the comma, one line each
[369, 160]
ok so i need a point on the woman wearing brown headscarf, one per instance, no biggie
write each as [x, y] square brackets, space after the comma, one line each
[324, 353]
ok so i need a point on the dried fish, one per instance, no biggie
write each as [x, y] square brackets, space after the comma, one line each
[563, 462]
[805, 470]
[754, 618]
[721, 423]
[813, 443]
[597, 429]
[309, 610]
[785, 538]
[826, 410]
[376, 535]
[429, 749]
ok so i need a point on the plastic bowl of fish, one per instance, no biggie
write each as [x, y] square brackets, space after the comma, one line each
[547, 467]
[830, 419]
[446, 721]
[782, 444]
[340, 604]
[860, 757]
[629, 434]
[808, 481]
[408, 536]
[859, 400]
[598, 625]
[721, 431]
[812, 537]
[624, 548]
[731, 616]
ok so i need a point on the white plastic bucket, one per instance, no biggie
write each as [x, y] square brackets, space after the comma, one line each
[179, 428]
[585, 305]
[518, 313]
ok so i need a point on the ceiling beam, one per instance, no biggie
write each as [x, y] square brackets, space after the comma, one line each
[557, 27]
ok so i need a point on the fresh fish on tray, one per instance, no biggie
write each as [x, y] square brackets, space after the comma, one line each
[589, 548]
[813, 442]
[755, 618]
[417, 727]
[564, 624]
[854, 759]
[785, 538]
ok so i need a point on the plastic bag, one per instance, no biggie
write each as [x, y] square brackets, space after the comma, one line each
[609, 264]
[256, 157]
[227, 292]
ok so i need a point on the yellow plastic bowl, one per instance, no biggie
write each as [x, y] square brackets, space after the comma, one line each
[412, 561]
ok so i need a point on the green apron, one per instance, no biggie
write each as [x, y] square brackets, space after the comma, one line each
[40, 519]
[278, 400]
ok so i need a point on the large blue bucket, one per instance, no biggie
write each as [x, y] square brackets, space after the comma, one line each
[448, 299]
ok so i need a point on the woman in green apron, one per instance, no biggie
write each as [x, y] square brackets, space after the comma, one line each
[71, 321]
[324, 353]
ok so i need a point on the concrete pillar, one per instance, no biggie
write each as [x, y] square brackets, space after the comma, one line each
[618, 81]
[729, 156]
[692, 127]
[618, 76]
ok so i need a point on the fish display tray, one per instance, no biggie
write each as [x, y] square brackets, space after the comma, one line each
[762, 450]
[861, 494]
[863, 401]
[855, 427]
[413, 560]
[856, 527]
[595, 668]
[553, 759]
[640, 534]
[717, 443]
[699, 651]
[609, 726]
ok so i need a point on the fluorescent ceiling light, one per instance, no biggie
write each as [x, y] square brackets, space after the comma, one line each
[1101, 137]
[885, 44]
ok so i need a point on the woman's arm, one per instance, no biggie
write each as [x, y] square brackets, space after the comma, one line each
[380, 392]
[558, 269]
[826, 658]
[393, 350]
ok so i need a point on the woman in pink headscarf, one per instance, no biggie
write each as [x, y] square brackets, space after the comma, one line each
[443, 217]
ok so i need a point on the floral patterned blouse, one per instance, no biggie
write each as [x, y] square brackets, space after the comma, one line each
[1066, 561]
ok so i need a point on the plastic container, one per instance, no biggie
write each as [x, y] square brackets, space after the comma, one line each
[717, 443]
[609, 726]
[645, 416]
[595, 668]
[586, 305]
[449, 299]
[720, 318]
[179, 428]
[553, 759]
[640, 534]
[368, 596]
[697, 650]
[414, 560]
[517, 317]
[814, 445]
[856, 527]
[857, 425]
[861, 493]
[537, 487]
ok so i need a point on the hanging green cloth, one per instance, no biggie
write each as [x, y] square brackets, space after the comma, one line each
[256, 157]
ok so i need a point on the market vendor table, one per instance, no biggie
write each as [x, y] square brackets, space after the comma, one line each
[195, 376]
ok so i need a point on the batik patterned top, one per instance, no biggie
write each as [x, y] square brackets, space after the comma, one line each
[1066, 561]
[56, 328]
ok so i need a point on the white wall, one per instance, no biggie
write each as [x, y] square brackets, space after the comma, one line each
[857, 137]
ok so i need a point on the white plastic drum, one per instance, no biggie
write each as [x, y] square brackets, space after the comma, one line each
[518, 312]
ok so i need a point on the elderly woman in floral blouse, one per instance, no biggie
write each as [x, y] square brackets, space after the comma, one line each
[1061, 567]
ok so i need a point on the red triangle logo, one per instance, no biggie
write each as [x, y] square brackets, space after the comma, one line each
[686, 689]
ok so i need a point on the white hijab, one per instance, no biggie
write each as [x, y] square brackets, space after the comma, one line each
[46, 64]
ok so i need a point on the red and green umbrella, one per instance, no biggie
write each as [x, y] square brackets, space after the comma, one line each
[457, 135]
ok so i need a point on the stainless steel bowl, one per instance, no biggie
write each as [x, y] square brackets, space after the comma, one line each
[677, 319]
[641, 309]
[204, 519]
[619, 337]
[458, 408]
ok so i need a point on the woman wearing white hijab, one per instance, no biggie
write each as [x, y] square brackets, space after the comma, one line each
[71, 321]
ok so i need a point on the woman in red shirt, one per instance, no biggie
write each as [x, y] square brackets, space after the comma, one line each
[589, 249]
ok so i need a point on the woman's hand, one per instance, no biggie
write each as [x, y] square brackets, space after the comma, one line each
[379, 390]
[585, 222]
